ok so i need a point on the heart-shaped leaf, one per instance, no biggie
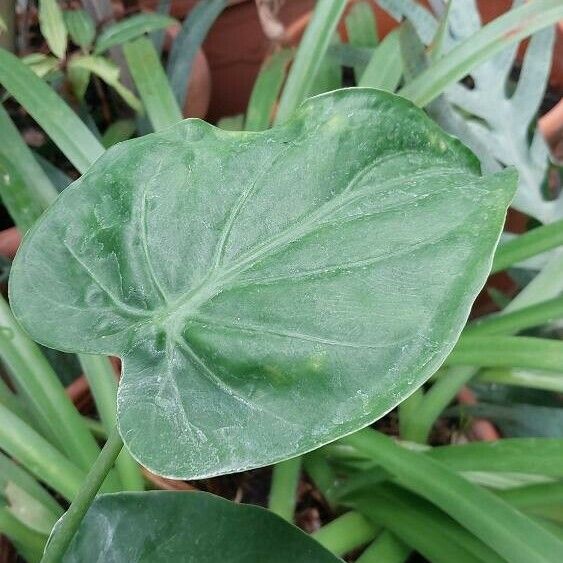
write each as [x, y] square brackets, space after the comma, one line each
[188, 527]
[268, 292]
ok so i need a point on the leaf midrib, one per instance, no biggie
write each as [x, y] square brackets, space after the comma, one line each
[217, 280]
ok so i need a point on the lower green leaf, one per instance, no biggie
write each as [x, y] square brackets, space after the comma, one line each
[187, 527]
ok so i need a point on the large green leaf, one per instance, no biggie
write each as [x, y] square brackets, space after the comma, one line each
[188, 527]
[247, 278]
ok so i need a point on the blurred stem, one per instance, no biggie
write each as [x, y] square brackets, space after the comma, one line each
[29, 542]
[386, 548]
[409, 411]
[283, 490]
[8, 16]
[418, 425]
[319, 470]
[508, 351]
[346, 533]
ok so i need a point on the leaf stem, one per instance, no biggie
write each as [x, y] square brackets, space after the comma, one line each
[283, 490]
[103, 383]
[66, 528]
[417, 427]
[386, 548]
[346, 533]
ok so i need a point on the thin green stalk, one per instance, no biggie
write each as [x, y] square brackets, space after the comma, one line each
[310, 55]
[103, 383]
[29, 542]
[518, 320]
[66, 528]
[386, 548]
[43, 391]
[38, 456]
[506, 30]
[346, 533]
[283, 490]
[409, 411]
[317, 467]
[187, 42]
[152, 83]
[418, 426]
[529, 244]
[508, 351]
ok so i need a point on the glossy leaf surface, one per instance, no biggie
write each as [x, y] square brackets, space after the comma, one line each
[188, 527]
[268, 292]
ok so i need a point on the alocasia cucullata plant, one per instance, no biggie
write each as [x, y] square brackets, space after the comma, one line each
[268, 292]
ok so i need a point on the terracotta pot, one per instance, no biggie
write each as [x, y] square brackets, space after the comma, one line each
[199, 88]
[481, 429]
[235, 48]
[9, 242]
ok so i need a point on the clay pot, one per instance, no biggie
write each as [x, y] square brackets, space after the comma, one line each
[9, 242]
[199, 88]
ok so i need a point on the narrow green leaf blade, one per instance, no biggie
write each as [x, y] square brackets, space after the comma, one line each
[309, 57]
[506, 30]
[16, 152]
[53, 26]
[385, 68]
[216, 269]
[510, 533]
[152, 84]
[361, 26]
[266, 89]
[109, 73]
[188, 41]
[63, 126]
[130, 28]
[188, 527]
[118, 131]
[80, 27]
